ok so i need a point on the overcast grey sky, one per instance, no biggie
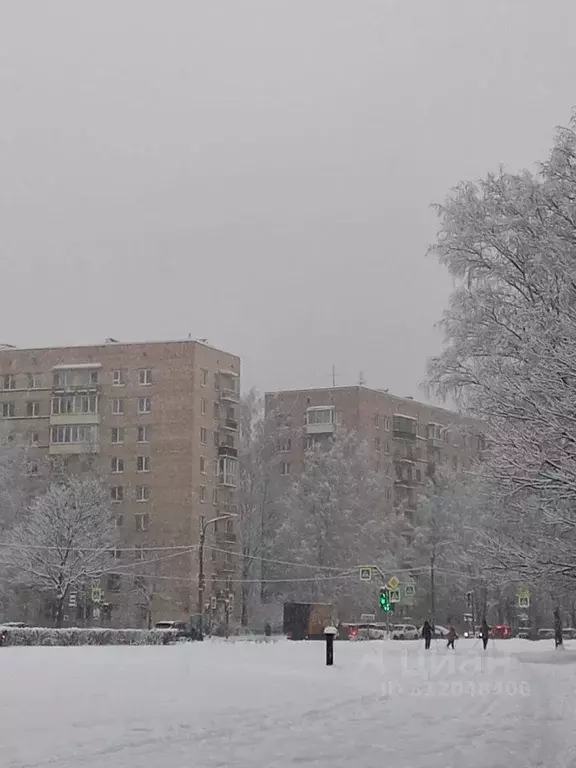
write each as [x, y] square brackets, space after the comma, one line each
[259, 172]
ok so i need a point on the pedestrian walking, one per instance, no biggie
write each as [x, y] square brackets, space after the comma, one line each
[558, 639]
[484, 632]
[427, 634]
[451, 637]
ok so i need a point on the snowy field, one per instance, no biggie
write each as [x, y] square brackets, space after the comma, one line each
[255, 705]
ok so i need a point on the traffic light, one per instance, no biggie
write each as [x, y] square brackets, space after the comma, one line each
[385, 605]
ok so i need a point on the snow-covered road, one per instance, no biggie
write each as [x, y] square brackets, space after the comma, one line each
[256, 705]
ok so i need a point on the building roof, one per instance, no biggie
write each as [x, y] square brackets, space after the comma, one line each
[360, 387]
[11, 348]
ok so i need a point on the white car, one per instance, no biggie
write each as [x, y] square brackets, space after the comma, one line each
[405, 632]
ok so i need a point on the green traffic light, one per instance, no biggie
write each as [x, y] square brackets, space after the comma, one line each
[385, 601]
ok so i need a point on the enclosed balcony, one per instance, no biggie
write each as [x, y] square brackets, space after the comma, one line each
[320, 419]
[404, 427]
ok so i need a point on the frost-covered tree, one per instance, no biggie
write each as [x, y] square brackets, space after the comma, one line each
[337, 516]
[509, 242]
[62, 542]
[258, 490]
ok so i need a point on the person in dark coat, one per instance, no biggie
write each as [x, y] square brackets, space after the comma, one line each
[427, 634]
[451, 637]
[558, 639]
[484, 632]
[267, 629]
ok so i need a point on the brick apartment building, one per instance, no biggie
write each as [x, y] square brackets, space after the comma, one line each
[158, 423]
[409, 439]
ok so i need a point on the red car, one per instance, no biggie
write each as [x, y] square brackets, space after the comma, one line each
[501, 632]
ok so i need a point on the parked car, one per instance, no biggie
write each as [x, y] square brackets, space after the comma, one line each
[438, 632]
[405, 632]
[546, 634]
[363, 631]
[184, 631]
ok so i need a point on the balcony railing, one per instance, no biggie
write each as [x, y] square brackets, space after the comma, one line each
[226, 450]
[230, 395]
[230, 424]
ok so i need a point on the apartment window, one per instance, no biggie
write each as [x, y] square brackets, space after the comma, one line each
[117, 465]
[284, 445]
[144, 434]
[216, 439]
[203, 464]
[114, 582]
[8, 410]
[311, 442]
[377, 420]
[143, 464]
[118, 405]
[145, 376]
[116, 553]
[118, 378]
[60, 379]
[142, 521]
[117, 494]
[142, 493]
[32, 409]
[228, 440]
[34, 380]
[203, 377]
[144, 404]
[34, 438]
[67, 404]
[387, 424]
[93, 378]
[8, 381]
[215, 496]
[117, 435]
[320, 416]
[454, 462]
[377, 444]
[284, 467]
[377, 466]
[203, 406]
[32, 467]
[419, 475]
[215, 467]
[216, 410]
[118, 521]
[138, 553]
[73, 433]
[202, 493]
[203, 435]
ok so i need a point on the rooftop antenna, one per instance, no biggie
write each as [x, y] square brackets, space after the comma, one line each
[361, 380]
[334, 374]
[110, 340]
[203, 341]
[7, 346]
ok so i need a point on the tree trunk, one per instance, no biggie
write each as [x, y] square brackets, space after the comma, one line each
[59, 611]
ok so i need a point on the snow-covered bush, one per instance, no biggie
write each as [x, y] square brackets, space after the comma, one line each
[85, 636]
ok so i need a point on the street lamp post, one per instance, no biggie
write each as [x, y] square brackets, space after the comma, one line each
[201, 577]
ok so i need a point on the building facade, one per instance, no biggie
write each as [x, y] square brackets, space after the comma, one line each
[158, 423]
[409, 440]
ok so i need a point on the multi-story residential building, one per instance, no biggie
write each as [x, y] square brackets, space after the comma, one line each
[158, 423]
[409, 439]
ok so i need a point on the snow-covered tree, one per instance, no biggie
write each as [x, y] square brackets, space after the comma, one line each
[510, 353]
[258, 490]
[337, 516]
[62, 542]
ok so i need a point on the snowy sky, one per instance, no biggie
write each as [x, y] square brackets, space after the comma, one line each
[259, 172]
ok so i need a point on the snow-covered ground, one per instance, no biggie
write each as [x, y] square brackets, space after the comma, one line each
[255, 705]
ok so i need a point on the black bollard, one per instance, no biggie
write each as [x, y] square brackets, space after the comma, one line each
[330, 633]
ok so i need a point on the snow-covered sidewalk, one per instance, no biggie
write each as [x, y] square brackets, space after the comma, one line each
[256, 705]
